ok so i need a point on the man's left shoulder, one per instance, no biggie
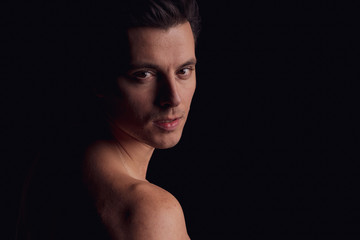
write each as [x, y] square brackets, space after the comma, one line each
[155, 212]
[153, 198]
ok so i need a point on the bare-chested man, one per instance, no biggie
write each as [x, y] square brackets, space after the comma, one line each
[146, 107]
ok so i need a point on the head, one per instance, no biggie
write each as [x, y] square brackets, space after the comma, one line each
[148, 90]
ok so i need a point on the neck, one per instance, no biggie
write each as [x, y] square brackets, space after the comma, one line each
[133, 154]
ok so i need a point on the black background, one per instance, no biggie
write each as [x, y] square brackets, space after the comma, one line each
[271, 145]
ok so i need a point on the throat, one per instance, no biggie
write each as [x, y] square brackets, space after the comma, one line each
[132, 154]
[134, 157]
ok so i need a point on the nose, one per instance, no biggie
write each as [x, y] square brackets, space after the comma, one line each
[168, 94]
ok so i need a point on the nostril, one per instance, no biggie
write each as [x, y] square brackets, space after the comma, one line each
[170, 100]
[165, 105]
[168, 95]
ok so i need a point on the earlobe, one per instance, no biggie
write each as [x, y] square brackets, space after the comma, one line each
[97, 93]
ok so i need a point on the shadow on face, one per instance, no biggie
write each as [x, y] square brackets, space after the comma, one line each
[153, 96]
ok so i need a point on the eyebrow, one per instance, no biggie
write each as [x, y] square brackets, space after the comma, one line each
[154, 66]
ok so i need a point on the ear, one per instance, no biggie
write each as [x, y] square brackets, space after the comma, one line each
[97, 93]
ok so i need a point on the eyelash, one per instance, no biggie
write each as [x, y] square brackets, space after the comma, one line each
[135, 75]
[187, 68]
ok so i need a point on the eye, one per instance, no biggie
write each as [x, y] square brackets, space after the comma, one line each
[142, 75]
[185, 73]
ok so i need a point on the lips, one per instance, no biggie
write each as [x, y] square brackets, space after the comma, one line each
[168, 124]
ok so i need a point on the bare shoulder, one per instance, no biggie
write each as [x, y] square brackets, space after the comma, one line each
[130, 208]
[142, 210]
[144, 192]
[154, 213]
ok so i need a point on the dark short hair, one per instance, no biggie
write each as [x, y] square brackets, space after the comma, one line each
[108, 26]
[163, 14]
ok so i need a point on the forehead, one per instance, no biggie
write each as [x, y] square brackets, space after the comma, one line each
[171, 45]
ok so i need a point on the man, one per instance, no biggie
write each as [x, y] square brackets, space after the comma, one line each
[146, 106]
[148, 110]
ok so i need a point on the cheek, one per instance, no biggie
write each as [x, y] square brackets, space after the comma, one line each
[188, 93]
[136, 104]
[131, 102]
[134, 94]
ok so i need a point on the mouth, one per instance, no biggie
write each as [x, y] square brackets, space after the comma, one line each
[168, 124]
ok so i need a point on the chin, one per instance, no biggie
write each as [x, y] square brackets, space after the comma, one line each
[166, 146]
[166, 142]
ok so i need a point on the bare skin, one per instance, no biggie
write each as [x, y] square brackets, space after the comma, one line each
[149, 111]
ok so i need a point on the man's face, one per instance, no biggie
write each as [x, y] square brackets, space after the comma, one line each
[153, 97]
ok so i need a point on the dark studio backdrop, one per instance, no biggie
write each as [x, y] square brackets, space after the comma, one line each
[271, 145]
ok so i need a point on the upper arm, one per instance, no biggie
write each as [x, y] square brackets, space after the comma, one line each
[154, 214]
